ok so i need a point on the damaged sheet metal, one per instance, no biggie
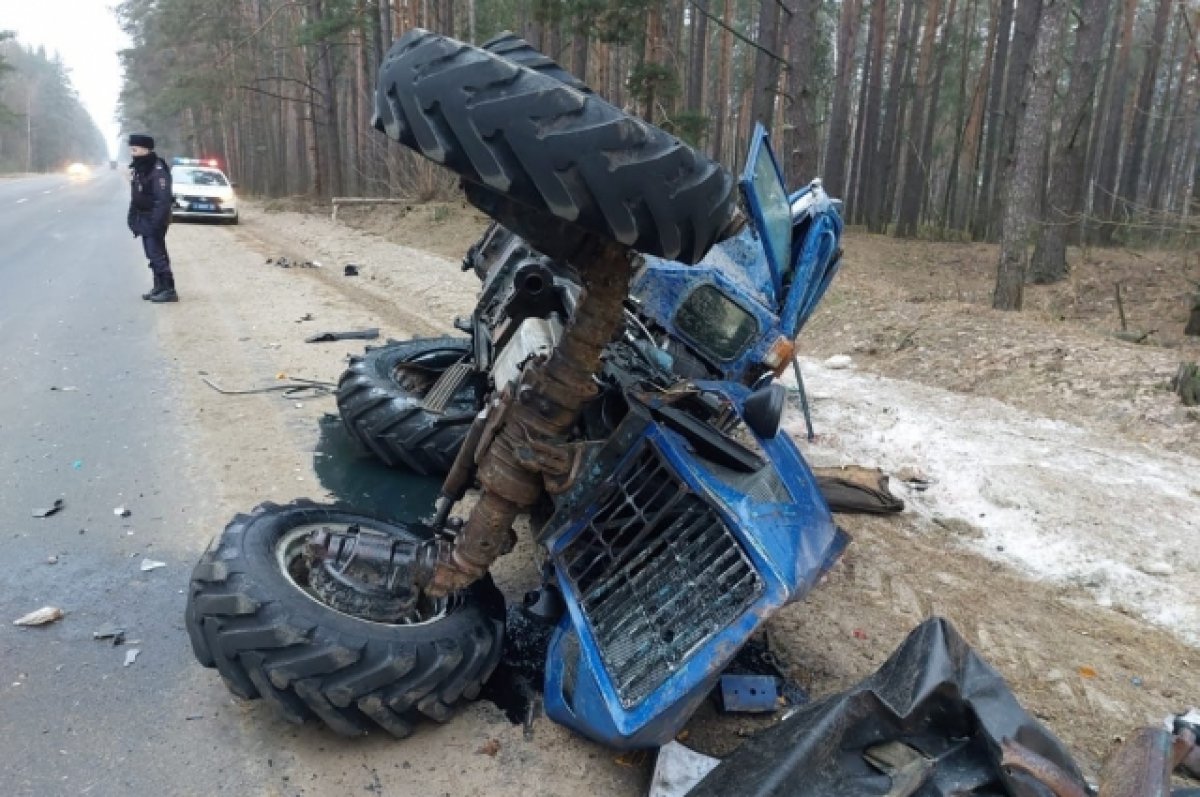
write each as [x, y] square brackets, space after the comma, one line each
[935, 700]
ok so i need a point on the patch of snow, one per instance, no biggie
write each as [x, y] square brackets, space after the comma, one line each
[1056, 501]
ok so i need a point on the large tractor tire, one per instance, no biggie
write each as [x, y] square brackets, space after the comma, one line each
[381, 399]
[252, 615]
[512, 47]
[537, 154]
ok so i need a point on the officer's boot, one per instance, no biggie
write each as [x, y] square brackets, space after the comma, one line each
[167, 292]
[157, 287]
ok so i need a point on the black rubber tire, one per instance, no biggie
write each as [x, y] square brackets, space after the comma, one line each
[386, 416]
[512, 47]
[526, 137]
[270, 640]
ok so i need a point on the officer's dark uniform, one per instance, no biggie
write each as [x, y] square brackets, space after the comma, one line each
[150, 216]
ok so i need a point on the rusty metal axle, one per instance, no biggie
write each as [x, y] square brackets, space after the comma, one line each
[517, 455]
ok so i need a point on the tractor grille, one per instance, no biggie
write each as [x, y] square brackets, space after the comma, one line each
[657, 574]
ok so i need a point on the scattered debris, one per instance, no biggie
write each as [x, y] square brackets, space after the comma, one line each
[1156, 569]
[51, 559]
[66, 389]
[678, 769]
[43, 616]
[351, 270]
[489, 748]
[283, 262]
[50, 510]
[1135, 337]
[1087, 672]
[354, 334]
[839, 361]
[131, 656]
[911, 474]
[110, 631]
[294, 386]
[302, 319]
[858, 633]
[151, 564]
[77, 464]
[935, 712]
[747, 694]
[121, 511]
[191, 717]
[858, 490]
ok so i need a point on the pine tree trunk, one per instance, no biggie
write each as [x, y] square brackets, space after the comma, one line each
[800, 139]
[1106, 178]
[1166, 135]
[579, 55]
[879, 209]
[925, 205]
[766, 68]
[723, 85]
[834, 170]
[1024, 178]
[966, 161]
[859, 160]
[1000, 32]
[868, 186]
[1025, 22]
[697, 58]
[1064, 199]
[1131, 171]
[913, 182]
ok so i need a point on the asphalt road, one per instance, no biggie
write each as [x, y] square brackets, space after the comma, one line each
[88, 415]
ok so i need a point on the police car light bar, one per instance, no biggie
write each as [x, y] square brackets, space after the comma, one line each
[194, 162]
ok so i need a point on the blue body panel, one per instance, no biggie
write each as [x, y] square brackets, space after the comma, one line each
[781, 301]
[791, 544]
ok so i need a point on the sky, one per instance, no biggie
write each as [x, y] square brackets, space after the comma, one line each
[86, 35]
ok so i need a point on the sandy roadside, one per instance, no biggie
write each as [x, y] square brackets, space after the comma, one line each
[238, 322]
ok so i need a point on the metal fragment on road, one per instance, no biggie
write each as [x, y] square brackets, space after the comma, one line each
[50, 510]
[151, 564]
[110, 631]
[121, 511]
[748, 693]
[131, 656]
[44, 615]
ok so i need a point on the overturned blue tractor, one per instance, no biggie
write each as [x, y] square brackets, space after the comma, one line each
[615, 384]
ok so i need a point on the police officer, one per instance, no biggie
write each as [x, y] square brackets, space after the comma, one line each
[150, 213]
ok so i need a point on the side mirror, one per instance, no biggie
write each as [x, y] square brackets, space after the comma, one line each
[763, 409]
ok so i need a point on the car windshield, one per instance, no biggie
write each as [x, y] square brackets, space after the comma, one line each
[777, 216]
[716, 322]
[198, 177]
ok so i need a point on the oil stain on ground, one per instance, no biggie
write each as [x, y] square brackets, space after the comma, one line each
[355, 478]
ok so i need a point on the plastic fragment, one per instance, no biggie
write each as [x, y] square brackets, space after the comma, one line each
[44, 615]
[151, 564]
[50, 510]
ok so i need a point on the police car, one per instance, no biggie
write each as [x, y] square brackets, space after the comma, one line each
[202, 191]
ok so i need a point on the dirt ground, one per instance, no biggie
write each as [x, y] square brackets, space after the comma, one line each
[913, 313]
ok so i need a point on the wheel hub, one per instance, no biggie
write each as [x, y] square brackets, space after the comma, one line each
[366, 573]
